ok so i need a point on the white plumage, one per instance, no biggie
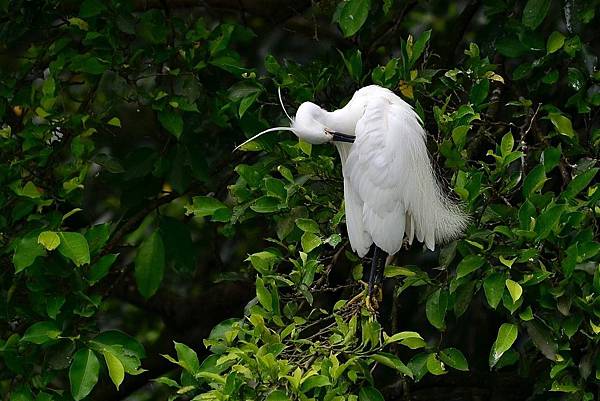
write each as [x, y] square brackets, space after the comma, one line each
[390, 189]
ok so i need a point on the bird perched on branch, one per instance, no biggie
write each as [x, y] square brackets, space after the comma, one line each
[390, 190]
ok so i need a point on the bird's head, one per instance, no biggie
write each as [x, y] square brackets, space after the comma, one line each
[307, 125]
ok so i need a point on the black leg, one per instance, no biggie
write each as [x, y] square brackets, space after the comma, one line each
[377, 268]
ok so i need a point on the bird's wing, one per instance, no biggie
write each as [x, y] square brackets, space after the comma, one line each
[360, 240]
[388, 168]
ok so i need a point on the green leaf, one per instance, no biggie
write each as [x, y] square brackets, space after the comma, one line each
[266, 204]
[78, 22]
[263, 261]
[100, 269]
[435, 308]
[548, 220]
[74, 246]
[468, 265]
[188, 359]
[125, 348]
[403, 335]
[526, 314]
[543, 340]
[41, 332]
[507, 334]
[459, 135]
[393, 271]
[435, 366]
[454, 358]
[150, 265]
[115, 122]
[579, 183]
[27, 250]
[308, 225]
[550, 158]
[507, 144]
[493, 287]
[88, 64]
[392, 361]
[83, 373]
[115, 368]
[167, 382]
[49, 240]
[534, 180]
[286, 173]
[29, 190]
[245, 104]
[152, 27]
[369, 393]
[514, 289]
[204, 206]
[172, 121]
[353, 15]
[310, 241]
[353, 64]
[562, 124]
[510, 46]
[479, 92]
[53, 305]
[314, 382]
[551, 77]
[534, 12]
[277, 395]
[275, 188]
[556, 40]
[419, 46]
[305, 147]
[263, 295]
[109, 163]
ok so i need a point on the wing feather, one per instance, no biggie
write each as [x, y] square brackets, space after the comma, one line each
[360, 240]
[388, 174]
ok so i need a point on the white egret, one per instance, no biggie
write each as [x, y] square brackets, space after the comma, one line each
[390, 190]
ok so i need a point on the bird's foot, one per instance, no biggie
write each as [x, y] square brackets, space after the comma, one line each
[373, 299]
[371, 304]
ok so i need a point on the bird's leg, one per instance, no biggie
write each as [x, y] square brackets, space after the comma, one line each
[377, 269]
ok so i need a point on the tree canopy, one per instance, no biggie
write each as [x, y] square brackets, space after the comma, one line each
[142, 258]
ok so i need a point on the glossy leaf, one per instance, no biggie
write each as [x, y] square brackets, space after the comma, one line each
[507, 334]
[115, 368]
[468, 265]
[369, 393]
[534, 12]
[49, 240]
[555, 42]
[83, 373]
[493, 287]
[435, 308]
[353, 15]
[150, 265]
[41, 332]
[514, 289]
[172, 121]
[74, 246]
[454, 358]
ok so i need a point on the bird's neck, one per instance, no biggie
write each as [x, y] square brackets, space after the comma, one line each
[342, 120]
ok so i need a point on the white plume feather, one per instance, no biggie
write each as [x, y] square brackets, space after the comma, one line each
[392, 191]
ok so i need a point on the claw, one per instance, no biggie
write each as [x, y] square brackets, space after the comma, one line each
[371, 304]
[373, 300]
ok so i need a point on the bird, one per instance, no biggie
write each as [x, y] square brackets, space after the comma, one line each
[391, 193]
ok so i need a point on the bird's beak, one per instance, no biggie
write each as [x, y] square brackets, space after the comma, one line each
[339, 137]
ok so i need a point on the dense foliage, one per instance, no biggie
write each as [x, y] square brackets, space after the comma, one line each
[128, 224]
